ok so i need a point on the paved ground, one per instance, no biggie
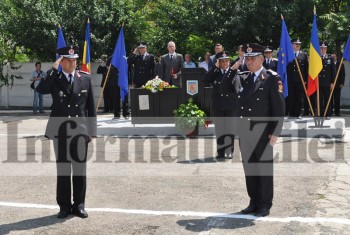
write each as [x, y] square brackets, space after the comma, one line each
[170, 186]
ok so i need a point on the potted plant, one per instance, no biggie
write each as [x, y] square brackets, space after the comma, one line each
[188, 117]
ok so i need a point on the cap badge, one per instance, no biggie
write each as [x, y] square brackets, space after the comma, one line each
[224, 55]
[249, 49]
[71, 51]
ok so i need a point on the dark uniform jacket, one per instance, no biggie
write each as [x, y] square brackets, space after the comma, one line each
[76, 104]
[224, 96]
[327, 74]
[292, 69]
[341, 76]
[263, 100]
[272, 65]
[144, 68]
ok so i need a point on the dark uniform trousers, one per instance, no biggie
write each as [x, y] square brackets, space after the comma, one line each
[71, 122]
[261, 112]
[71, 160]
[296, 94]
[223, 101]
[325, 79]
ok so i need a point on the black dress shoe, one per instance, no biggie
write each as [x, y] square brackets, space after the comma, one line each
[262, 212]
[250, 209]
[80, 212]
[63, 214]
[220, 156]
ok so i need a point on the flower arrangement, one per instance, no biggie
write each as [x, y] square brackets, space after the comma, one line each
[156, 85]
[188, 117]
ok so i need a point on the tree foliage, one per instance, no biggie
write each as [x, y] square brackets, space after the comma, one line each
[30, 26]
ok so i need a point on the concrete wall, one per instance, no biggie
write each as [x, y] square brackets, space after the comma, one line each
[22, 95]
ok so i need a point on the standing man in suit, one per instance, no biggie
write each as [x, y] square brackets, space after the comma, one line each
[143, 63]
[172, 64]
[212, 59]
[260, 112]
[242, 65]
[296, 94]
[223, 101]
[338, 85]
[269, 62]
[71, 126]
[326, 79]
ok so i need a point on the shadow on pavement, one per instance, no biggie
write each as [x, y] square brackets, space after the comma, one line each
[31, 224]
[202, 225]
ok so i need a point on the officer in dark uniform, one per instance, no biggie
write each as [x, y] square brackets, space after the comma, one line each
[71, 126]
[223, 101]
[143, 63]
[326, 79]
[338, 85]
[260, 119]
[296, 94]
[269, 62]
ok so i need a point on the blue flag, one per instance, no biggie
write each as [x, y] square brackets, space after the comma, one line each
[119, 60]
[60, 43]
[347, 50]
[285, 55]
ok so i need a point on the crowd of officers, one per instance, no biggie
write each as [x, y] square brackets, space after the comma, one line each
[144, 67]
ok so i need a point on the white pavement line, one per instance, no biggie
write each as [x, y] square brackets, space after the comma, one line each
[191, 214]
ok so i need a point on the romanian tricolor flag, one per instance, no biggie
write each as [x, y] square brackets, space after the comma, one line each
[85, 64]
[315, 61]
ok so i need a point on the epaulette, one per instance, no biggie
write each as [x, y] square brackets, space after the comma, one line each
[81, 71]
[243, 72]
[272, 72]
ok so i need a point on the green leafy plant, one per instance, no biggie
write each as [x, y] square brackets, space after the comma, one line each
[188, 116]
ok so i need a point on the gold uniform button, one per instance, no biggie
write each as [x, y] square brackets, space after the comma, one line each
[76, 105]
[76, 115]
[69, 106]
[257, 99]
[242, 107]
[69, 116]
[249, 109]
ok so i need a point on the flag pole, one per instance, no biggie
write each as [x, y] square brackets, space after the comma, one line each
[335, 82]
[302, 82]
[103, 88]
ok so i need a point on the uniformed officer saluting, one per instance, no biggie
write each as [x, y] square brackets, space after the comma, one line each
[223, 101]
[71, 125]
[326, 79]
[260, 117]
[143, 65]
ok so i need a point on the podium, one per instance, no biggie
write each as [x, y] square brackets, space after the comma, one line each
[154, 108]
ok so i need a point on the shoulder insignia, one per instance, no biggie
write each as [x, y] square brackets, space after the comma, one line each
[271, 72]
[80, 71]
[280, 86]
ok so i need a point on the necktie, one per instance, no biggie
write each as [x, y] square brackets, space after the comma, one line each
[268, 62]
[70, 85]
[70, 79]
[223, 72]
[296, 54]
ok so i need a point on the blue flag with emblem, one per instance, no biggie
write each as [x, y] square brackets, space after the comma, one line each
[285, 55]
[346, 54]
[60, 43]
[119, 60]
